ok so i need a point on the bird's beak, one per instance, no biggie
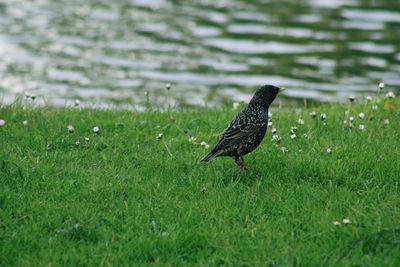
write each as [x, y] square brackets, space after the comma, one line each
[281, 89]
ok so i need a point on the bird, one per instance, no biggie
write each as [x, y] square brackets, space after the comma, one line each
[247, 129]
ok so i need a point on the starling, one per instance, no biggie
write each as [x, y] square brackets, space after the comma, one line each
[247, 129]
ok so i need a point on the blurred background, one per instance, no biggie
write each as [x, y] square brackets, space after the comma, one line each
[109, 53]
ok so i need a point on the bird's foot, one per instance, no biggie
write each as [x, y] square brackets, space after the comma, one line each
[241, 164]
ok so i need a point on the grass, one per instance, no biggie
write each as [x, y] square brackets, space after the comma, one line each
[123, 197]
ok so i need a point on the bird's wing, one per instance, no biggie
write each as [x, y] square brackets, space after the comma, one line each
[239, 130]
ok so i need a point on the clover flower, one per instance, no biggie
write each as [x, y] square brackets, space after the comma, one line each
[2, 123]
[28, 94]
[381, 86]
[273, 130]
[77, 102]
[270, 124]
[293, 129]
[329, 151]
[361, 115]
[323, 116]
[390, 95]
[284, 149]
[361, 127]
[276, 138]
[269, 115]
[351, 119]
[346, 221]
[206, 146]
[336, 223]
[313, 114]
[300, 121]
[71, 129]
[375, 107]
[235, 105]
[352, 98]
[160, 136]
[386, 121]
[293, 136]
[87, 139]
[25, 122]
[168, 86]
[369, 98]
[96, 129]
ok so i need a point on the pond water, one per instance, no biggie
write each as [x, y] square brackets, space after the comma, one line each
[109, 53]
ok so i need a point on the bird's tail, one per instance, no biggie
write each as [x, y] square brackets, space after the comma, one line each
[211, 155]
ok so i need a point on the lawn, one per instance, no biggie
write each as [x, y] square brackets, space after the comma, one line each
[130, 196]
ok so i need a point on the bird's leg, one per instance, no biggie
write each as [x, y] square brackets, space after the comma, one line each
[241, 164]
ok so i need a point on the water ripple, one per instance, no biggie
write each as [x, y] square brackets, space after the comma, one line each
[111, 52]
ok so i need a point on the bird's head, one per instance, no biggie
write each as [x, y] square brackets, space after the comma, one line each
[265, 95]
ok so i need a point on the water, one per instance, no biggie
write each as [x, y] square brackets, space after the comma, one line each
[109, 53]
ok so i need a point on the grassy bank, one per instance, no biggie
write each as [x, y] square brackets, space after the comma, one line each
[124, 196]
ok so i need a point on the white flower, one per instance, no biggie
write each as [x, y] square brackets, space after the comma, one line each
[77, 102]
[164, 234]
[2, 122]
[336, 223]
[293, 129]
[300, 121]
[351, 125]
[329, 151]
[160, 136]
[86, 139]
[33, 96]
[206, 146]
[276, 138]
[345, 122]
[346, 221]
[381, 86]
[313, 114]
[284, 149]
[270, 124]
[293, 136]
[235, 105]
[168, 86]
[28, 94]
[192, 140]
[273, 130]
[386, 122]
[361, 115]
[375, 107]
[269, 115]
[390, 95]
[352, 98]
[369, 98]
[96, 129]
[70, 128]
[323, 116]
[351, 119]
[361, 127]
[25, 122]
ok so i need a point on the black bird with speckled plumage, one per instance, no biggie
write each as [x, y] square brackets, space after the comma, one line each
[247, 129]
